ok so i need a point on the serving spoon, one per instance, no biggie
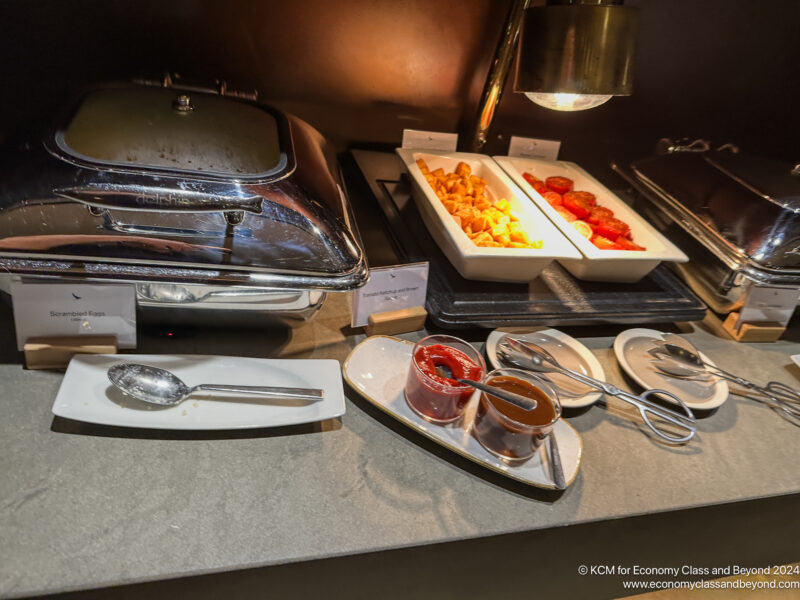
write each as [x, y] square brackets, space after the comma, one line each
[679, 370]
[682, 363]
[159, 386]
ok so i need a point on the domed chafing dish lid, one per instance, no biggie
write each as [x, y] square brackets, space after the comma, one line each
[168, 184]
[744, 207]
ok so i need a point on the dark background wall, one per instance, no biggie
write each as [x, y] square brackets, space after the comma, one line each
[362, 70]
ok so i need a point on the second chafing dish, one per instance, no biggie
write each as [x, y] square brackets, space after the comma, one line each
[736, 216]
[186, 191]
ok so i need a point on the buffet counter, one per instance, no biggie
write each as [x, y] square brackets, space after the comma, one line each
[86, 507]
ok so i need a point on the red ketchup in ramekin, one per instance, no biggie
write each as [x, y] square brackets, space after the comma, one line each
[434, 397]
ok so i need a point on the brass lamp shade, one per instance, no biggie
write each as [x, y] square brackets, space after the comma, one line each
[577, 48]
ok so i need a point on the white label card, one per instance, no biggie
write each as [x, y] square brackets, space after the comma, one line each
[770, 304]
[524, 147]
[429, 140]
[64, 309]
[390, 288]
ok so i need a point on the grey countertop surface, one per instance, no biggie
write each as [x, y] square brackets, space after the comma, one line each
[85, 506]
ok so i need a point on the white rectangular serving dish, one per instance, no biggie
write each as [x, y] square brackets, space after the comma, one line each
[471, 261]
[623, 266]
[87, 395]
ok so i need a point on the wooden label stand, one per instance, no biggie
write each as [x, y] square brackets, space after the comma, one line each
[752, 332]
[56, 352]
[397, 321]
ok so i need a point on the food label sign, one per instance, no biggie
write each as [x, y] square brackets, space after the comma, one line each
[768, 304]
[390, 288]
[524, 147]
[65, 309]
[429, 140]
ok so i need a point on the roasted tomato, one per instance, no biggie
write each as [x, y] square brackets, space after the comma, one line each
[587, 197]
[565, 213]
[599, 213]
[552, 198]
[626, 244]
[532, 179]
[604, 243]
[612, 228]
[577, 204]
[540, 187]
[560, 185]
[584, 229]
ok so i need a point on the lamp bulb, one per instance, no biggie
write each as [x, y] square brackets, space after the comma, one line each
[567, 102]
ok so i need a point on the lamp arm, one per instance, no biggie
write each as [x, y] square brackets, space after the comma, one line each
[498, 73]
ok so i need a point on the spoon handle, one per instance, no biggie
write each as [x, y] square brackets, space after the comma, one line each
[555, 461]
[264, 390]
[522, 401]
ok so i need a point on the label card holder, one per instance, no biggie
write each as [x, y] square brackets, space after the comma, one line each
[390, 289]
[49, 310]
[429, 140]
[524, 147]
[768, 304]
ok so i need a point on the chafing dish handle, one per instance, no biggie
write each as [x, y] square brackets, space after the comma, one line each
[151, 199]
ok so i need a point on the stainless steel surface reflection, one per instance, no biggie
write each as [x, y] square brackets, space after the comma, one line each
[187, 304]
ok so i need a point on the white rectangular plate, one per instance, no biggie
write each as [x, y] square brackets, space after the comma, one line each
[596, 264]
[87, 395]
[377, 369]
[475, 262]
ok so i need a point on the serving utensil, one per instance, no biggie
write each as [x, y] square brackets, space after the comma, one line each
[159, 386]
[543, 361]
[522, 402]
[676, 369]
[682, 363]
[555, 461]
[521, 362]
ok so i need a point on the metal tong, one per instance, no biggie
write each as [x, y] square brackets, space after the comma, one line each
[681, 361]
[540, 360]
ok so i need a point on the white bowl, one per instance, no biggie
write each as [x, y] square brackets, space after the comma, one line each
[475, 262]
[624, 266]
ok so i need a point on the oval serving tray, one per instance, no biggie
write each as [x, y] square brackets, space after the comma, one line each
[377, 369]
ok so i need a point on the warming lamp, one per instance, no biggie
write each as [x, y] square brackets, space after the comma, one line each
[572, 55]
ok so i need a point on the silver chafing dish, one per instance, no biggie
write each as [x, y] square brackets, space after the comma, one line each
[208, 201]
[736, 216]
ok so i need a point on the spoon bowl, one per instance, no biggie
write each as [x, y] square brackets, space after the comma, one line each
[149, 384]
[683, 355]
[680, 370]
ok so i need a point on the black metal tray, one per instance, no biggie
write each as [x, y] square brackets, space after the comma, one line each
[554, 298]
